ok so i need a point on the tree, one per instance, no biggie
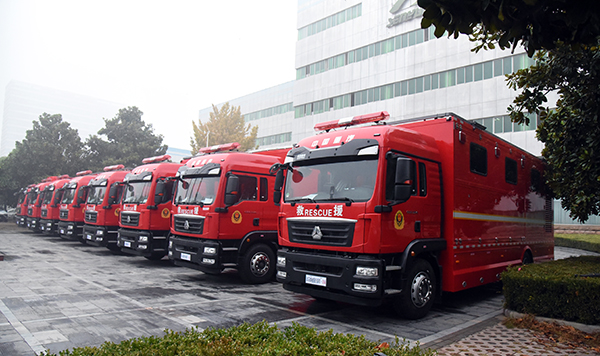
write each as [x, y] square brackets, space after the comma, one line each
[128, 140]
[52, 147]
[566, 34]
[224, 126]
[571, 132]
[535, 24]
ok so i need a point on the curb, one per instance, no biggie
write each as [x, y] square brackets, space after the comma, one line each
[581, 327]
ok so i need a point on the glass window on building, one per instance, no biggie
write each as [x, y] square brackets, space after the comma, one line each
[435, 81]
[358, 54]
[371, 50]
[299, 112]
[365, 52]
[507, 65]
[518, 62]
[498, 68]
[398, 40]
[507, 124]
[498, 125]
[488, 70]
[338, 103]
[468, 74]
[412, 86]
[404, 88]
[427, 83]
[419, 84]
[460, 75]
[488, 123]
[420, 36]
[405, 40]
[478, 71]
[351, 57]
[347, 100]
[387, 46]
[397, 89]
[387, 92]
[412, 38]
[378, 48]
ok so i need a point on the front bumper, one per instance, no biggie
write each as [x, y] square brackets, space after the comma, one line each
[70, 230]
[208, 256]
[142, 243]
[102, 236]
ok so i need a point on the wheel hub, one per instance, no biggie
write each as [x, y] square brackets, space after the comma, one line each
[420, 291]
[259, 264]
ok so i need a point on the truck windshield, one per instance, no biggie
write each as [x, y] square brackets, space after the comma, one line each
[47, 196]
[349, 180]
[32, 197]
[68, 195]
[96, 195]
[197, 190]
[137, 192]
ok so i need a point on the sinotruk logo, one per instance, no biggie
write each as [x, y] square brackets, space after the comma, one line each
[412, 11]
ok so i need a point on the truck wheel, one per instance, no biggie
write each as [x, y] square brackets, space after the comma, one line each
[417, 299]
[258, 264]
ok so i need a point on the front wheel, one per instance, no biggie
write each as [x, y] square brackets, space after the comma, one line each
[419, 294]
[258, 264]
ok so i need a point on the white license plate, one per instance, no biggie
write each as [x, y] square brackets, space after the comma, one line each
[126, 243]
[315, 280]
[186, 256]
[88, 236]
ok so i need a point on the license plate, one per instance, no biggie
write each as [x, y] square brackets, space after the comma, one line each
[88, 236]
[315, 280]
[186, 256]
[126, 243]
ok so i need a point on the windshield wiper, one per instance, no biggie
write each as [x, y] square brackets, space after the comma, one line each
[309, 199]
[345, 199]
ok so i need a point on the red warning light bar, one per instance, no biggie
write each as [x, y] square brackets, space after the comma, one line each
[220, 148]
[113, 168]
[83, 173]
[351, 121]
[64, 176]
[156, 159]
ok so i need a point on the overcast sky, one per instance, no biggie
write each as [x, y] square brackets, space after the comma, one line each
[169, 58]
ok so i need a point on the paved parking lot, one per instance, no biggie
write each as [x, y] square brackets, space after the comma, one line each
[56, 294]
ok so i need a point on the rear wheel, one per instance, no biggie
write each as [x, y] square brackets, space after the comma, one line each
[258, 264]
[419, 291]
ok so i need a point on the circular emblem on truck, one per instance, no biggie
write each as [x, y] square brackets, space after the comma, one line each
[399, 221]
[166, 213]
[117, 211]
[236, 217]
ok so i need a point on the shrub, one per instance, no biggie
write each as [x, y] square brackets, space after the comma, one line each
[563, 289]
[250, 340]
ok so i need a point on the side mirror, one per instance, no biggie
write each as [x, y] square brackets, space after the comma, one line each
[232, 190]
[159, 192]
[81, 195]
[277, 187]
[403, 179]
[113, 194]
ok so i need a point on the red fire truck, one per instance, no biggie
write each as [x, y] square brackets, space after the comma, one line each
[35, 200]
[21, 212]
[72, 206]
[103, 207]
[223, 216]
[146, 208]
[51, 205]
[406, 211]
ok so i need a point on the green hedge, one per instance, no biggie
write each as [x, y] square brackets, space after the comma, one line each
[586, 242]
[555, 289]
[248, 340]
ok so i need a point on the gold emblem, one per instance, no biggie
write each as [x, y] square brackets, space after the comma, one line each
[236, 217]
[399, 221]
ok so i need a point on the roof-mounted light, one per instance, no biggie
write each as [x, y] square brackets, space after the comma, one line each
[83, 173]
[220, 148]
[49, 179]
[64, 176]
[351, 121]
[156, 159]
[116, 167]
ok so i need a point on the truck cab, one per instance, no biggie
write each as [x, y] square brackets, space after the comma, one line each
[21, 212]
[51, 205]
[103, 207]
[223, 215]
[36, 197]
[146, 208]
[72, 206]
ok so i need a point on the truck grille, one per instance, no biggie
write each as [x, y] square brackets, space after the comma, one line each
[189, 224]
[44, 213]
[321, 233]
[130, 219]
[91, 216]
[64, 213]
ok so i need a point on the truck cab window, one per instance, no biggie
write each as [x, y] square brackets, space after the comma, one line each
[510, 170]
[264, 189]
[422, 179]
[478, 159]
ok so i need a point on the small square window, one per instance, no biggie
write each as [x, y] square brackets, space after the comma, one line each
[478, 159]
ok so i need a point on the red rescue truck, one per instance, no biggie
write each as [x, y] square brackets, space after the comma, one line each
[72, 206]
[406, 211]
[223, 216]
[103, 207]
[146, 208]
[21, 212]
[51, 205]
[36, 197]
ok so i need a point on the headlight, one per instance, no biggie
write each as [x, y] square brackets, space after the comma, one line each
[367, 271]
[281, 261]
[365, 287]
[281, 274]
[210, 250]
[142, 247]
[170, 244]
[143, 239]
[209, 261]
[100, 232]
[70, 227]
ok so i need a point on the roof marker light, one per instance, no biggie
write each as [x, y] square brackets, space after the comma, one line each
[220, 148]
[83, 173]
[156, 159]
[113, 168]
[356, 120]
[64, 176]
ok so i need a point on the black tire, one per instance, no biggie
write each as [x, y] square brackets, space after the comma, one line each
[257, 265]
[419, 291]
